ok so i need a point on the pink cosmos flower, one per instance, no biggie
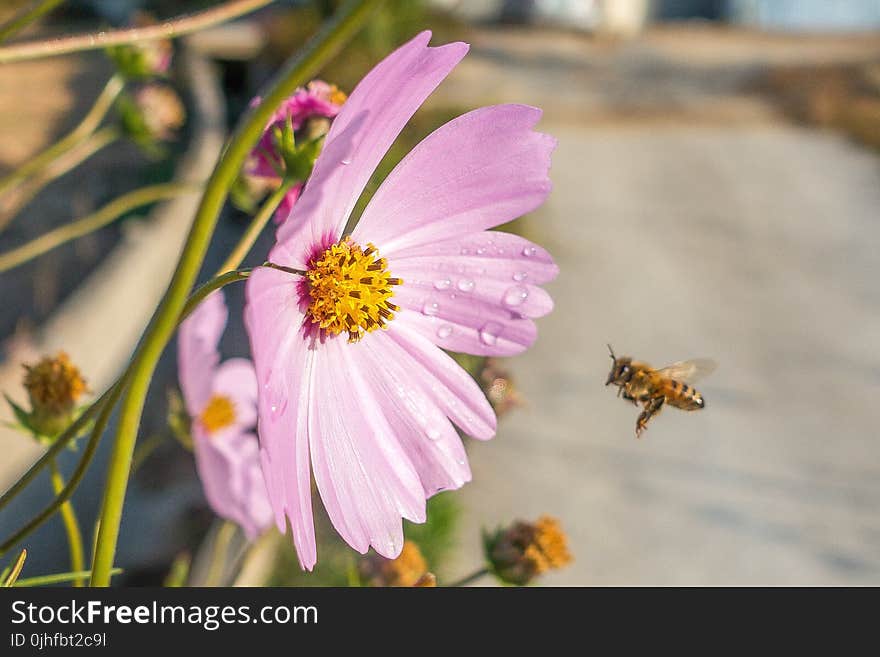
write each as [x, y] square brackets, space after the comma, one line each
[370, 412]
[221, 400]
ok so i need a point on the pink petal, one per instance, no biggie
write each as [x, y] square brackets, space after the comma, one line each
[366, 481]
[368, 123]
[463, 324]
[479, 170]
[229, 469]
[197, 355]
[419, 424]
[485, 254]
[236, 379]
[283, 364]
[437, 282]
[453, 389]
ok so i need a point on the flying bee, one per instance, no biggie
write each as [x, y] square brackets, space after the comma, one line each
[641, 384]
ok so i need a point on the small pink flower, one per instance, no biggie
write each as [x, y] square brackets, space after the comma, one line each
[371, 412]
[221, 400]
[319, 99]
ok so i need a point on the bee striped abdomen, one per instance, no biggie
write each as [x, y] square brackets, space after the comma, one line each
[683, 396]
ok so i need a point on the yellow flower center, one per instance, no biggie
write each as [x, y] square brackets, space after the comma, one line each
[350, 290]
[218, 414]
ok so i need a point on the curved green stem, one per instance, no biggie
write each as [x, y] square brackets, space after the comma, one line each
[15, 571]
[71, 526]
[27, 16]
[112, 395]
[255, 228]
[164, 322]
[109, 213]
[58, 444]
[86, 127]
[26, 192]
[105, 405]
[222, 538]
[169, 29]
[473, 577]
[59, 578]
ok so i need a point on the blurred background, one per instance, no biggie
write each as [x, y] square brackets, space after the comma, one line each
[716, 194]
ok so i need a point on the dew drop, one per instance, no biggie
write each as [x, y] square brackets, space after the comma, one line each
[529, 251]
[444, 331]
[433, 433]
[443, 284]
[490, 332]
[466, 285]
[465, 251]
[346, 160]
[431, 308]
[481, 251]
[520, 276]
[515, 296]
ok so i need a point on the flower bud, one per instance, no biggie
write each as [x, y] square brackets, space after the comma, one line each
[54, 386]
[153, 114]
[408, 570]
[525, 550]
[144, 59]
[498, 385]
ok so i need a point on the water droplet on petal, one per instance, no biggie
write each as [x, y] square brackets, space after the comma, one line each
[346, 160]
[515, 296]
[481, 251]
[434, 433]
[443, 284]
[520, 276]
[466, 285]
[490, 332]
[465, 251]
[529, 251]
[431, 308]
[444, 331]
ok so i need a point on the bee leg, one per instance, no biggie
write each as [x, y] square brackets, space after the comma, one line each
[652, 407]
[628, 396]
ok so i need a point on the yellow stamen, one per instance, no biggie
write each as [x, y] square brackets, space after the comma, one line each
[336, 96]
[218, 414]
[350, 290]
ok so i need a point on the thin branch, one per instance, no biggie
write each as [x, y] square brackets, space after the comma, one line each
[23, 195]
[169, 29]
[109, 213]
[86, 127]
[27, 16]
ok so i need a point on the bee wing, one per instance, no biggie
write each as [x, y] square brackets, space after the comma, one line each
[689, 371]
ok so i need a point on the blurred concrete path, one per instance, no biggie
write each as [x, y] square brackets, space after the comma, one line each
[754, 243]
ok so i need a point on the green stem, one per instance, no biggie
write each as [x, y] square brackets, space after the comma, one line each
[473, 577]
[88, 453]
[27, 16]
[57, 445]
[26, 192]
[16, 570]
[115, 209]
[255, 228]
[59, 578]
[105, 403]
[86, 127]
[332, 37]
[220, 552]
[168, 29]
[71, 526]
